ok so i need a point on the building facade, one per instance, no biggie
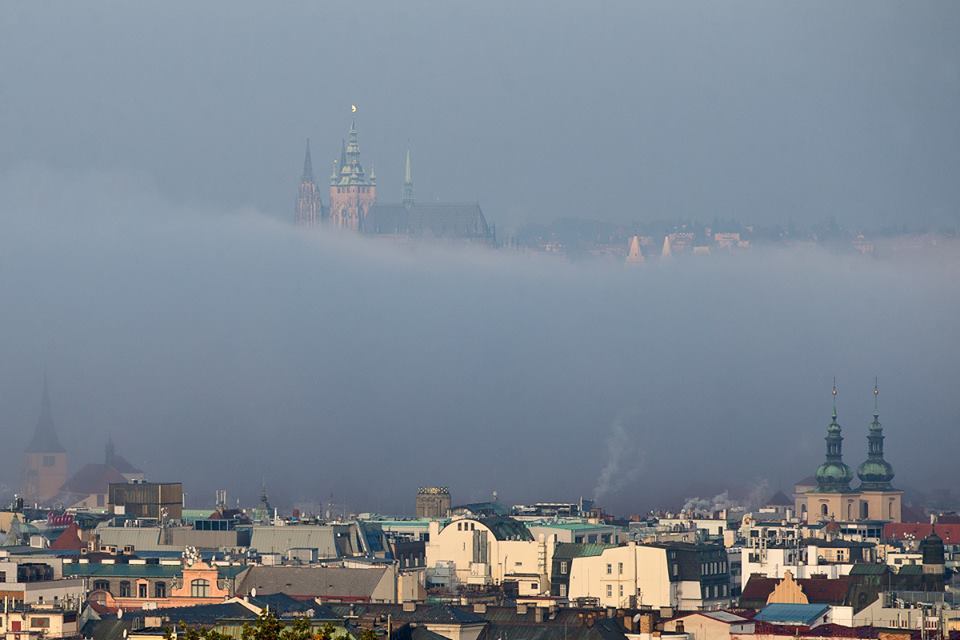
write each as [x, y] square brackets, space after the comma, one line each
[433, 502]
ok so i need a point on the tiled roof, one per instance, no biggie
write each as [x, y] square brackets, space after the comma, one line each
[817, 590]
[919, 530]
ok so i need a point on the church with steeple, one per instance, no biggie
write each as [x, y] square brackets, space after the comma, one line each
[831, 497]
[45, 459]
[353, 204]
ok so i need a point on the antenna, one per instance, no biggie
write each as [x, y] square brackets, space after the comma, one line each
[876, 396]
[834, 392]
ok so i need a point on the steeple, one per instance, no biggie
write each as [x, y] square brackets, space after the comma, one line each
[833, 475]
[45, 438]
[307, 164]
[110, 452]
[875, 473]
[408, 181]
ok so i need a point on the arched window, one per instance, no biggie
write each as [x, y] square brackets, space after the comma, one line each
[823, 509]
[864, 510]
[200, 588]
[850, 510]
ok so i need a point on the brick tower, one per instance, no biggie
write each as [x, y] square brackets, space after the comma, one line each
[352, 191]
[309, 209]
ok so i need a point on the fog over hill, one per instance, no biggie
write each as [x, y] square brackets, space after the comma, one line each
[223, 347]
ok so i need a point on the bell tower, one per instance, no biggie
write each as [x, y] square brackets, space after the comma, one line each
[45, 459]
[352, 190]
[309, 208]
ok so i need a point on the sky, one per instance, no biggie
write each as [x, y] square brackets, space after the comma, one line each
[762, 111]
[149, 156]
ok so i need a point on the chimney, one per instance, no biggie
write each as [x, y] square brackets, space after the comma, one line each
[409, 607]
[646, 623]
[611, 612]
[521, 609]
[538, 615]
[628, 623]
[479, 608]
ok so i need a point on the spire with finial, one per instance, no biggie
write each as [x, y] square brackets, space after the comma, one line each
[408, 181]
[308, 164]
[833, 475]
[876, 474]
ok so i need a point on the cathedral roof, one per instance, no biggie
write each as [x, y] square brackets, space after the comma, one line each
[439, 220]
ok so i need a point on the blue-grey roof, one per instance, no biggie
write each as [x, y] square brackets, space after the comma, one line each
[799, 614]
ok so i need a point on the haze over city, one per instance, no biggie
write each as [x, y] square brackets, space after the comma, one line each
[150, 266]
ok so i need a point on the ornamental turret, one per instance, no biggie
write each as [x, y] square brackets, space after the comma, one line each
[833, 476]
[875, 473]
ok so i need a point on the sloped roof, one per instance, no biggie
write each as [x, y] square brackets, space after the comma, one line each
[800, 614]
[817, 590]
[434, 219]
[92, 478]
[312, 581]
[206, 613]
[565, 550]
[779, 499]
[507, 528]
[950, 533]
[122, 465]
[69, 539]
[432, 613]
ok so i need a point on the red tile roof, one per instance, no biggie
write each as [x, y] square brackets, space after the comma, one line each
[817, 590]
[920, 530]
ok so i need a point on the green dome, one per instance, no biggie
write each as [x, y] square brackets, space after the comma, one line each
[834, 476]
[875, 471]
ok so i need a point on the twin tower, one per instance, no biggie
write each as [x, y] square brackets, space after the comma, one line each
[832, 498]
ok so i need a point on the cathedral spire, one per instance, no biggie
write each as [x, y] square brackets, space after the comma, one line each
[45, 438]
[308, 164]
[408, 181]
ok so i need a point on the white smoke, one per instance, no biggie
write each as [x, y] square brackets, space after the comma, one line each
[624, 462]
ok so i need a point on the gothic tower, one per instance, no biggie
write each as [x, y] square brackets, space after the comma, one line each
[309, 208]
[352, 191]
[45, 459]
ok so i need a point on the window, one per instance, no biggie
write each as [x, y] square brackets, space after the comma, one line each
[609, 569]
[142, 590]
[199, 588]
[609, 590]
[160, 590]
[676, 569]
[621, 591]
[49, 461]
[3, 576]
[535, 586]
[563, 567]
[101, 585]
[620, 569]
[563, 591]
[124, 589]
[40, 623]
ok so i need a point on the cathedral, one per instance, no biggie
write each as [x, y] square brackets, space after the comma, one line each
[829, 496]
[352, 204]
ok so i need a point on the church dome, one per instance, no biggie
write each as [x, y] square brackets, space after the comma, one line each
[834, 475]
[875, 473]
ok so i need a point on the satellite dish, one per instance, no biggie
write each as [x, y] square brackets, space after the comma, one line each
[125, 633]
[119, 614]
[253, 592]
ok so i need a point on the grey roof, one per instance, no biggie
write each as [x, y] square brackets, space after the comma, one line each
[435, 219]
[313, 581]
[432, 613]
[282, 539]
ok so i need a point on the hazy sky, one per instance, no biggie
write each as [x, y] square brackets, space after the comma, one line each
[149, 155]
[628, 110]
[223, 347]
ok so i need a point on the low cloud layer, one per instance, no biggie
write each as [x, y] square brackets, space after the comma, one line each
[225, 348]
